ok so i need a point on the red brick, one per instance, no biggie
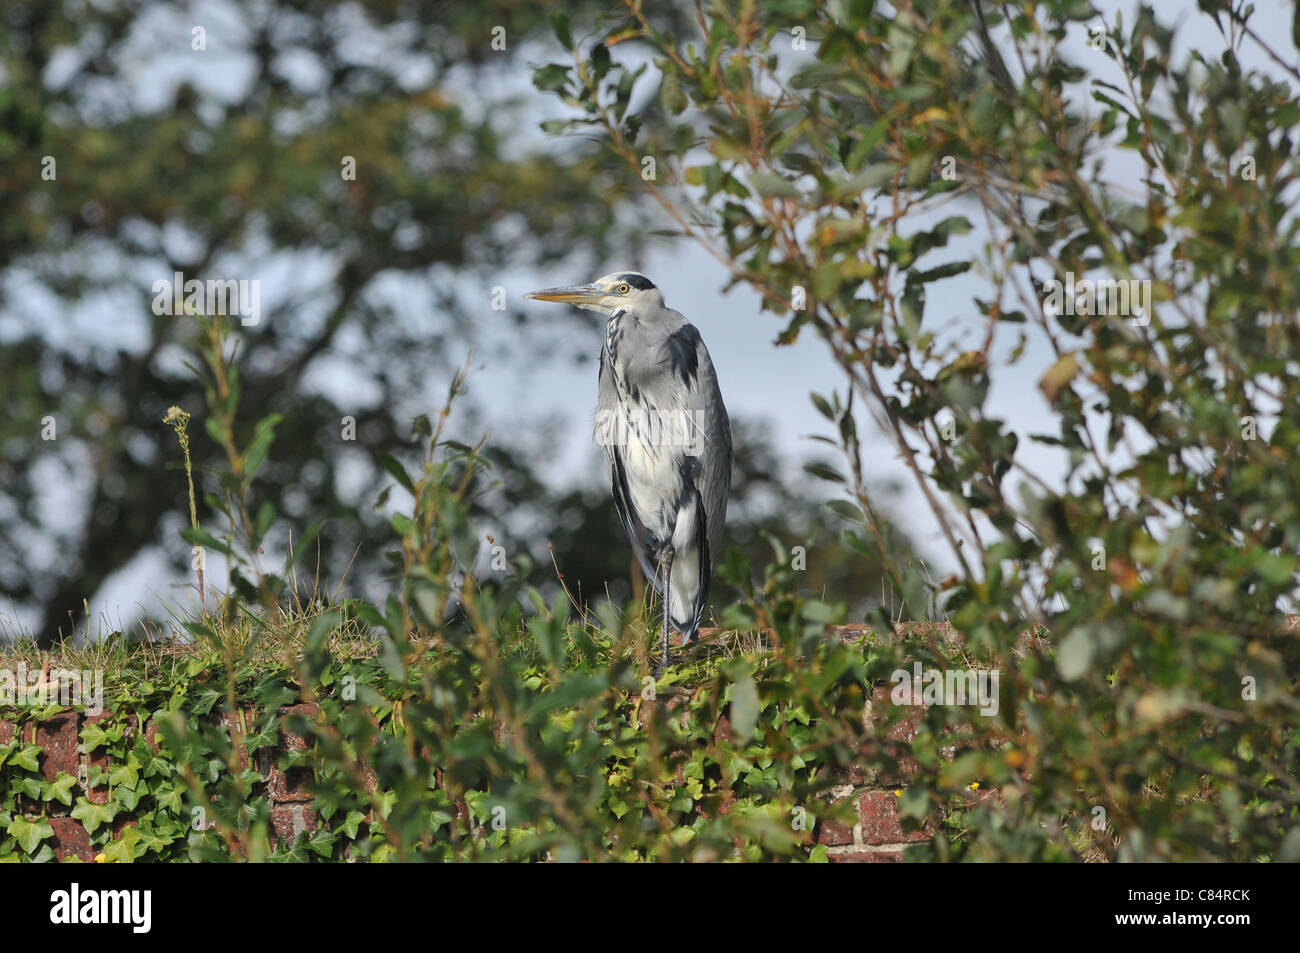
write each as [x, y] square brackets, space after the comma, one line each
[289, 784]
[859, 855]
[58, 739]
[880, 822]
[894, 742]
[290, 741]
[70, 839]
[834, 833]
[905, 728]
[882, 706]
[875, 772]
[290, 820]
[6, 732]
[98, 795]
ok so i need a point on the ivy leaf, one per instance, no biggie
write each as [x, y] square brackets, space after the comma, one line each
[129, 795]
[127, 773]
[29, 833]
[94, 736]
[60, 789]
[351, 823]
[93, 815]
[26, 758]
[122, 849]
[169, 798]
[28, 786]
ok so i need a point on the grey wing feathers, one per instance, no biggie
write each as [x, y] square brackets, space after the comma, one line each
[676, 376]
[712, 475]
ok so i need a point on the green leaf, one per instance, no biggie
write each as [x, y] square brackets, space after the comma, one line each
[60, 789]
[914, 802]
[260, 445]
[321, 627]
[744, 706]
[394, 467]
[847, 510]
[939, 272]
[550, 78]
[351, 823]
[26, 758]
[671, 96]
[265, 516]
[122, 850]
[93, 815]
[823, 471]
[93, 736]
[560, 24]
[872, 177]
[772, 185]
[29, 834]
[201, 537]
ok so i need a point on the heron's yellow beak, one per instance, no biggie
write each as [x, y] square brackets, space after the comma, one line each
[573, 294]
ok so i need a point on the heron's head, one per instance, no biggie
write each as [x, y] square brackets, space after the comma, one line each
[620, 291]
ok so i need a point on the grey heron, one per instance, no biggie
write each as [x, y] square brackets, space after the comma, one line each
[666, 436]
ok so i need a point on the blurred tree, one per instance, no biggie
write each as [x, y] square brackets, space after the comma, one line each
[142, 140]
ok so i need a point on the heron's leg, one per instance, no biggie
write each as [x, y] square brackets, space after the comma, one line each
[666, 562]
[668, 572]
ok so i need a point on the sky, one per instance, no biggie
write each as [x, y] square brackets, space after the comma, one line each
[758, 379]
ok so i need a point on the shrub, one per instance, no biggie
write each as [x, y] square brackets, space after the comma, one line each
[831, 157]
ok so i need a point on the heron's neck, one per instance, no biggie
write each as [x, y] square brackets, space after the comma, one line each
[614, 334]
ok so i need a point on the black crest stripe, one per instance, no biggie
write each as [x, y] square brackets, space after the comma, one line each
[683, 351]
[640, 282]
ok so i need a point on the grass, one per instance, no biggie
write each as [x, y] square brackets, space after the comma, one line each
[166, 650]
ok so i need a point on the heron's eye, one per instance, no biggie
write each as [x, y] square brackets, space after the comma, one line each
[624, 288]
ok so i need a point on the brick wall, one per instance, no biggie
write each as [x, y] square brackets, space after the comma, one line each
[62, 752]
[877, 835]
